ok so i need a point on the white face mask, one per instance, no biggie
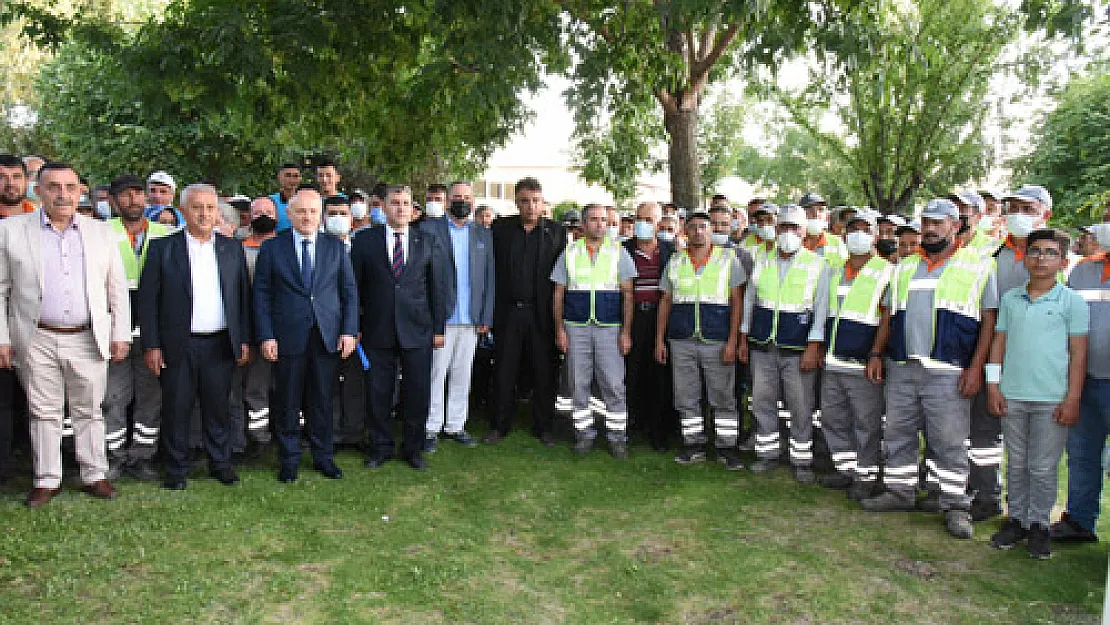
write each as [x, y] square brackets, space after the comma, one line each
[735, 225]
[433, 209]
[103, 209]
[859, 242]
[359, 210]
[718, 239]
[666, 235]
[339, 225]
[789, 242]
[1102, 235]
[815, 227]
[643, 230]
[1019, 224]
[767, 233]
[612, 231]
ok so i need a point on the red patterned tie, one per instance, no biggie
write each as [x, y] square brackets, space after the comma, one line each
[398, 255]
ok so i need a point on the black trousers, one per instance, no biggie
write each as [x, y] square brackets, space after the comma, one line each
[416, 389]
[304, 384]
[349, 409]
[517, 340]
[648, 383]
[13, 406]
[204, 372]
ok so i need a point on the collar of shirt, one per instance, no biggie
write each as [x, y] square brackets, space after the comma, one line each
[195, 242]
[452, 225]
[1049, 295]
[298, 239]
[46, 223]
[1019, 252]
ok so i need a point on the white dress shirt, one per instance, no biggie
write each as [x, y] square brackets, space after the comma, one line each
[298, 246]
[389, 241]
[208, 298]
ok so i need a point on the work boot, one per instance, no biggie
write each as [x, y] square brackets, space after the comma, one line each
[748, 444]
[958, 523]
[115, 469]
[764, 465]
[1011, 534]
[804, 475]
[863, 490]
[888, 501]
[690, 454]
[730, 458]
[1039, 544]
[143, 470]
[431, 443]
[1067, 530]
[582, 445]
[836, 481]
[618, 449]
[983, 509]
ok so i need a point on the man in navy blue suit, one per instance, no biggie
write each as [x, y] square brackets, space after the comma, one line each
[306, 317]
[401, 285]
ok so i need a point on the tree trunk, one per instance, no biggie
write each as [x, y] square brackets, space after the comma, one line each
[682, 129]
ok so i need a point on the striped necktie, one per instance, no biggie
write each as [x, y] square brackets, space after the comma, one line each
[398, 255]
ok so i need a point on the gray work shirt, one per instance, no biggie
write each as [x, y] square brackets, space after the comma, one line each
[1086, 279]
[626, 268]
[919, 310]
[820, 300]
[1009, 271]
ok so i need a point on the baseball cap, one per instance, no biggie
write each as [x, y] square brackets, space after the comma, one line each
[865, 216]
[766, 207]
[124, 182]
[989, 193]
[970, 198]
[811, 198]
[698, 214]
[572, 218]
[793, 214]
[161, 177]
[940, 208]
[897, 220]
[1032, 193]
[910, 226]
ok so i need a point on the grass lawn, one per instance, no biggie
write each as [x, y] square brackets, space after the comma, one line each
[517, 534]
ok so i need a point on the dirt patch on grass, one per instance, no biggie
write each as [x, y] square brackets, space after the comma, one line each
[316, 576]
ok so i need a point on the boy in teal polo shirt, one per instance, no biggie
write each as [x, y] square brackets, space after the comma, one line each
[1035, 374]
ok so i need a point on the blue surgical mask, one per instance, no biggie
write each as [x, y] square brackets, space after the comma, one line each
[102, 210]
[377, 215]
[666, 235]
[643, 230]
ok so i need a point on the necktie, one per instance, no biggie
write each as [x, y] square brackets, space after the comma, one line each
[306, 265]
[398, 255]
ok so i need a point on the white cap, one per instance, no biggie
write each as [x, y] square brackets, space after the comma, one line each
[161, 177]
[793, 214]
[1032, 193]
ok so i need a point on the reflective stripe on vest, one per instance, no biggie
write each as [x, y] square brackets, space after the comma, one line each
[835, 251]
[593, 286]
[957, 296]
[700, 302]
[983, 244]
[795, 298]
[860, 311]
[133, 265]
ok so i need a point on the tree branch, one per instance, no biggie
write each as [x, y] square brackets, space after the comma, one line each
[720, 46]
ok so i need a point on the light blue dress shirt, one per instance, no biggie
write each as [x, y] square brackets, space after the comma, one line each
[460, 248]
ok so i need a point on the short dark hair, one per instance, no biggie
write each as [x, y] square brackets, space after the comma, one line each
[718, 196]
[628, 219]
[586, 209]
[378, 191]
[326, 162]
[1055, 235]
[55, 166]
[289, 166]
[720, 209]
[11, 160]
[436, 187]
[308, 186]
[390, 189]
[527, 184]
[336, 200]
[482, 208]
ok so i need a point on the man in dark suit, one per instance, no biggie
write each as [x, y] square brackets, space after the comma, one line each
[194, 319]
[306, 317]
[525, 248]
[400, 274]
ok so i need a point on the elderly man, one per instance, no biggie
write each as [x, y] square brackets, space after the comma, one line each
[194, 319]
[63, 286]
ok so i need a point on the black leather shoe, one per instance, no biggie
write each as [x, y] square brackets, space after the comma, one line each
[174, 483]
[375, 462]
[417, 462]
[226, 475]
[548, 439]
[287, 475]
[328, 469]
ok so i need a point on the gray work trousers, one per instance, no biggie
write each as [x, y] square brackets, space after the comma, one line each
[130, 381]
[695, 363]
[1034, 444]
[919, 399]
[775, 370]
[594, 353]
[852, 419]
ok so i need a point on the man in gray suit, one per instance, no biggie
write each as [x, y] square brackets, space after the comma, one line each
[470, 304]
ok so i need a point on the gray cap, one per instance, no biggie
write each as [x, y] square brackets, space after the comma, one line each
[766, 207]
[1031, 193]
[864, 215]
[970, 198]
[572, 218]
[914, 226]
[811, 198]
[897, 220]
[939, 209]
[793, 214]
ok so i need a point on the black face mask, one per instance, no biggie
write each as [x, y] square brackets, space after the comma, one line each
[965, 223]
[886, 247]
[935, 247]
[263, 224]
[460, 209]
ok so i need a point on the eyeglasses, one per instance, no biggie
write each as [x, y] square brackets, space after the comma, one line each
[1037, 253]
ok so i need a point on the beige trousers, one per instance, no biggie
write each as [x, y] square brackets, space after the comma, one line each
[61, 371]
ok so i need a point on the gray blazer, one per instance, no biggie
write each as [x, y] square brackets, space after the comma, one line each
[481, 269]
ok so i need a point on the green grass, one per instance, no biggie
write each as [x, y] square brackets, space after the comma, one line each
[517, 534]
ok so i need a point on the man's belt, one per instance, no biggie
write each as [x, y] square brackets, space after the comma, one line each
[63, 329]
[646, 306]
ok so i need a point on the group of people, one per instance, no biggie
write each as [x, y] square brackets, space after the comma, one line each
[903, 353]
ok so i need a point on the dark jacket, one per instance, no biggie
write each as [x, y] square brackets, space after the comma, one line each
[553, 240]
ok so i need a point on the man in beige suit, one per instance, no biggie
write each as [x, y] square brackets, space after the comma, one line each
[64, 311]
